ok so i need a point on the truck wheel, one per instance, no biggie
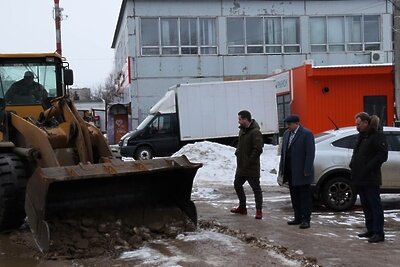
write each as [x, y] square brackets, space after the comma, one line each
[13, 181]
[338, 194]
[143, 152]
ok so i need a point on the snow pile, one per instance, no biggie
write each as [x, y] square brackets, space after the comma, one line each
[219, 163]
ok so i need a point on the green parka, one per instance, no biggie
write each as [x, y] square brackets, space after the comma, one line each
[248, 151]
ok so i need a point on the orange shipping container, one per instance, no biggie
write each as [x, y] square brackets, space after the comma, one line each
[320, 95]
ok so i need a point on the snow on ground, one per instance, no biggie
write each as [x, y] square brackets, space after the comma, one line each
[172, 253]
[219, 163]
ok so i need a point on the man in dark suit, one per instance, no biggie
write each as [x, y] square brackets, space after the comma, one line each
[297, 168]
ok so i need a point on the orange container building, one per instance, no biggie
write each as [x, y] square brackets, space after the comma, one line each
[320, 95]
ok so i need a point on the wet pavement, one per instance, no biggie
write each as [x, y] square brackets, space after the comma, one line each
[332, 239]
[225, 239]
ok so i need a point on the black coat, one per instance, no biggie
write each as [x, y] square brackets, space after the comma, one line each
[248, 151]
[369, 154]
[302, 153]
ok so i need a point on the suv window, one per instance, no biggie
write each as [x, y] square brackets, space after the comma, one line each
[346, 142]
[393, 141]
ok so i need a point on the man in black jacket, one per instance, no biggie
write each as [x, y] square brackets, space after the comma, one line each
[248, 153]
[369, 154]
[28, 88]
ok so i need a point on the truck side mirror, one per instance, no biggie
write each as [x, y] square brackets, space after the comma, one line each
[68, 77]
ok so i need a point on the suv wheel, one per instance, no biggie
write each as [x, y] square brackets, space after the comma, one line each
[143, 152]
[338, 194]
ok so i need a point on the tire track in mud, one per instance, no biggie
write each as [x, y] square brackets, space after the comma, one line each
[214, 225]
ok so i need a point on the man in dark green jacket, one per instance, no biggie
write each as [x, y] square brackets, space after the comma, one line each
[248, 153]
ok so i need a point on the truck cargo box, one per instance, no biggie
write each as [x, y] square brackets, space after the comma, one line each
[209, 110]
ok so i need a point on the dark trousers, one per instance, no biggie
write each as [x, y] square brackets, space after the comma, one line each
[255, 185]
[299, 195]
[373, 212]
[301, 202]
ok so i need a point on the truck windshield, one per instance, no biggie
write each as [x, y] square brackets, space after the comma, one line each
[145, 122]
[27, 83]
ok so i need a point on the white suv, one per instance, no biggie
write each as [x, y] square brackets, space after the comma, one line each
[333, 153]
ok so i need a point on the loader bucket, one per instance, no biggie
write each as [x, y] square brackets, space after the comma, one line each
[142, 191]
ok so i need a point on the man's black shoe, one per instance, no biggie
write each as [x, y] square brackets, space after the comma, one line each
[304, 225]
[366, 234]
[294, 222]
[376, 238]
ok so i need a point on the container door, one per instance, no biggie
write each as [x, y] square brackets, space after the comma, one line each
[376, 105]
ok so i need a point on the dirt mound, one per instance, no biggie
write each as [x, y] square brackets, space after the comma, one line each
[90, 238]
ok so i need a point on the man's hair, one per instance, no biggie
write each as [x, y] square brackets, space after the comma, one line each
[364, 116]
[245, 114]
[372, 120]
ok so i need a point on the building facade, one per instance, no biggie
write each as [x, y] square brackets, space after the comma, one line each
[161, 43]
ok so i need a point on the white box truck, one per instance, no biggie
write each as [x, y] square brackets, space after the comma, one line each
[202, 111]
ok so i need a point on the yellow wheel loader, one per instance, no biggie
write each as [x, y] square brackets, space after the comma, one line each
[54, 164]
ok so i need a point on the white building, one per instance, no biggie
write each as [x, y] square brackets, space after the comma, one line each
[161, 43]
[94, 109]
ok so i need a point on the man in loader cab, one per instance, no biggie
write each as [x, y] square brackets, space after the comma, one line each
[26, 90]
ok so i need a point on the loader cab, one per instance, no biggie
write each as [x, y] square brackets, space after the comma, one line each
[28, 82]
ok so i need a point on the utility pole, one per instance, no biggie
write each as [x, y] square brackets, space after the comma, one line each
[57, 18]
[396, 32]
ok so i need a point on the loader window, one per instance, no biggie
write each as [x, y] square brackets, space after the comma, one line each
[28, 83]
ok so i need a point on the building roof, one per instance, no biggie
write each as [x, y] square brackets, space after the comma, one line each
[354, 66]
[119, 21]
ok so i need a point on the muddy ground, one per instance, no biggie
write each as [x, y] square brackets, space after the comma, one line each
[221, 239]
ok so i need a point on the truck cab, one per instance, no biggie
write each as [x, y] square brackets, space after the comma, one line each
[157, 135]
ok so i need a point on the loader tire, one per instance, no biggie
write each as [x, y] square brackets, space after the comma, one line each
[13, 181]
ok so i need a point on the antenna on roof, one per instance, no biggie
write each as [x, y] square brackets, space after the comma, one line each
[336, 127]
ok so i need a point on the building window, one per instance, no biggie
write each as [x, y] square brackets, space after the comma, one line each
[258, 35]
[372, 33]
[291, 33]
[254, 35]
[208, 36]
[338, 33]
[188, 33]
[236, 35]
[178, 36]
[169, 37]
[354, 32]
[318, 34]
[150, 37]
[273, 35]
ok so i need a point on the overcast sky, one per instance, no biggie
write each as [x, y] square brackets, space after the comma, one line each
[87, 33]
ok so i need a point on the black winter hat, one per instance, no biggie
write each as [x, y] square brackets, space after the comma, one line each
[292, 118]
